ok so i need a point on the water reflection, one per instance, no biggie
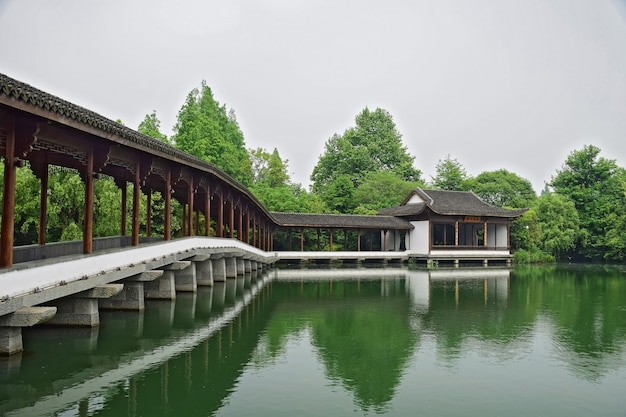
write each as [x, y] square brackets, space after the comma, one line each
[369, 331]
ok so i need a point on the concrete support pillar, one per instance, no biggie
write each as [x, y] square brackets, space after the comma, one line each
[241, 266]
[231, 267]
[219, 269]
[204, 273]
[11, 327]
[254, 266]
[164, 288]
[185, 279]
[132, 296]
[82, 309]
[247, 265]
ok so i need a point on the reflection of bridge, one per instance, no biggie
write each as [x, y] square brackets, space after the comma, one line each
[226, 305]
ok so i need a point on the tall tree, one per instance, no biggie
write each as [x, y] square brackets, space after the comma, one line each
[151, 126]
[381, 189]
[374, 144]
[597, 187]
[450, 175]
[268, 168]
[210, 131]
[503, 189]
[559, 223]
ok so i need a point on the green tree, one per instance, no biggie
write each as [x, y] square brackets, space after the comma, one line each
[268, 168]
[374, 144]
[151, 126]
[450, 175]
[559, 223]
[596, 185]
[210, 131]
[381, 189]
[503, 189]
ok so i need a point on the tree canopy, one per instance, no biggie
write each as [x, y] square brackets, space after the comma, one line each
[151, 126]
[450, 175]
[597, 187]
[210, 131]
[373, 145]
[503, 188]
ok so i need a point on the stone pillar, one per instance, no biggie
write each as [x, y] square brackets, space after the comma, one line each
[164, 288]
[185, 279]
[241, 266]
[253, 266]
[231, 267]
[132, 296]
[219, 268]
[247, 265]
[204, 273]
[11, 327]
[82, 309]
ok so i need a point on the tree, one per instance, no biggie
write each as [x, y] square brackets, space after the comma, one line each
[373, 145]
[559, 223]
[210, 131]
[450, 175]
[503, 189]
[597, 187]
[151, 126]
[268, 168]
[381, 189]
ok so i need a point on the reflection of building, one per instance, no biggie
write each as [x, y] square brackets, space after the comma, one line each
[453, 226]
[492, 284]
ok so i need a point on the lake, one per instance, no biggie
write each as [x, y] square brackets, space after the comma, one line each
[540, 341]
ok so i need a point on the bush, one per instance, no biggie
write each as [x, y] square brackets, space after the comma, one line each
[532, 256]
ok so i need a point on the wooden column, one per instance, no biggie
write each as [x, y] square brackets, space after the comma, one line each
[122, 185]
[456, 233]
[207, 212]
[358, 240]
[167, 228]
[136, 199]
[149, 213]
[88, 220]
[231, 220]
[41, 172]
[318, 240]
[289, 237]
[301, 240]
[8, 200]
[485, 234]
[330, 232]
[240, 224]
[190, 210]
[219, 227]
[384, 245]
[183, 220]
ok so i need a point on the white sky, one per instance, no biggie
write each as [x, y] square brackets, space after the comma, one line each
[514, 84]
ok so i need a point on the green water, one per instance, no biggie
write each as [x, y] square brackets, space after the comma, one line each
[535, 341]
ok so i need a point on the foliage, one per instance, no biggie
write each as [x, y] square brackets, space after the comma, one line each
[373, 145]
[208, 130]
[559, 223]
[268, 168]
[526, 231]
[532, 256]
[151, 126]
[381, 189]
[503, 189]
[450, 175]
[597, 187]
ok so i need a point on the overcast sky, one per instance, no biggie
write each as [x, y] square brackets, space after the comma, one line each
[514, 84]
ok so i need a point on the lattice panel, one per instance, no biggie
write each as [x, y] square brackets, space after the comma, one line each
[77, 154]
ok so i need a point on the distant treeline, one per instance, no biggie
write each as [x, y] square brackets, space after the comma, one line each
[578, 216]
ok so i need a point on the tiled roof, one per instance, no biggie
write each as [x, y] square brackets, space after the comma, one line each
[341, 221]
[18, 91]
[460, 203]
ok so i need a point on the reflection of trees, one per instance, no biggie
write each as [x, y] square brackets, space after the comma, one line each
[587, 307]
[465, 310]
[363, 343]
[585, 304]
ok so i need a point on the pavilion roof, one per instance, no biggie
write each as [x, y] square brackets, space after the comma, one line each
[341, 221]
[444, 202]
